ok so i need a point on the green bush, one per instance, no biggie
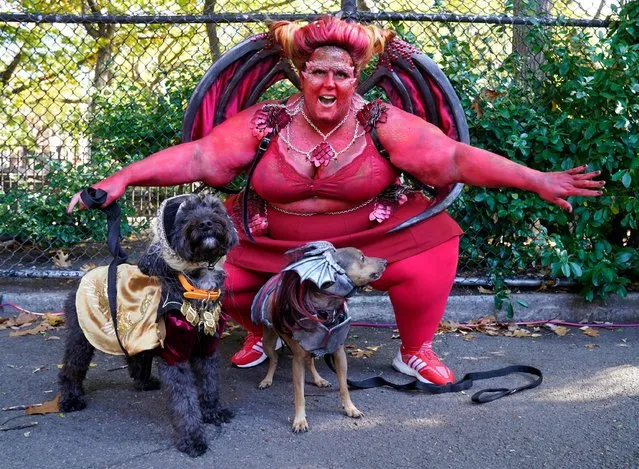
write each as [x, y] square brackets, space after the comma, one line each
[580, 106]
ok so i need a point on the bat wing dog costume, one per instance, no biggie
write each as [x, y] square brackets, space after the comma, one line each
[305, 304]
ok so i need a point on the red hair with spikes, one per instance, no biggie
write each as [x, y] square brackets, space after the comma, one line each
[299, 41]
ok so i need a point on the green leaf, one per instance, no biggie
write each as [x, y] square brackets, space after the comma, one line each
[576, 269]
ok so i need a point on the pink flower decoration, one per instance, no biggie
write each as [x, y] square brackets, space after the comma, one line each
[380, 213]
[258, 225]
[401, 199]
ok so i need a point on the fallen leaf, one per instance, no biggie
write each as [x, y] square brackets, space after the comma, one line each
[42, 327]
[21, 319]
[48, 407]
[61, 259]
[359, 353]
[589, 331]
[559, 330]
[491, 95]
[52, 337]
[485, 291]
[476, 107]
[448, 326]
[373, 349]
[54, 320]
[470, 337]
[591, 346]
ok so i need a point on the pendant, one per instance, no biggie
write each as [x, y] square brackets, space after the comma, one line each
[322, 154]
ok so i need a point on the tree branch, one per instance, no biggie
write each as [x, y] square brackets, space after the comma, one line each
[8, 72]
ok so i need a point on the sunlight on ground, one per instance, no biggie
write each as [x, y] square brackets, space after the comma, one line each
[368, 422]
[608, 383]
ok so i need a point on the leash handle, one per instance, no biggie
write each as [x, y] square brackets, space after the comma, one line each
[480, 397]
[95, 198]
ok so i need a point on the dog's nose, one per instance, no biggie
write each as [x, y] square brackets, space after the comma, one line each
[206, 224]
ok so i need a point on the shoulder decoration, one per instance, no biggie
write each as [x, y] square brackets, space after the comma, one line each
[270, 118]
[372, 114]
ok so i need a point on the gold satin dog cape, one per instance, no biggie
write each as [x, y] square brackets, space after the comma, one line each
[138, 302]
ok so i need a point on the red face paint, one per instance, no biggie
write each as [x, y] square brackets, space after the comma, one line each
[328, 84]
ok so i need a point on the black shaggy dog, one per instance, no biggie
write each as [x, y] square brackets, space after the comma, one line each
[192, 235]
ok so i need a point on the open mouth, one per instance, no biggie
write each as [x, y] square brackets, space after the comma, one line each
[327, 100]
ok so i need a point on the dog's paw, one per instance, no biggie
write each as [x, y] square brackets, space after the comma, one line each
[194, 445]
[322, 383]
[72, 404]
[353, 412]
[217, 416]
[150, 384]
[300, 425]
[265, 383]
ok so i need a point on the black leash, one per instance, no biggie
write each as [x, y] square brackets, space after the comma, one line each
[480, 397]
[94, 198]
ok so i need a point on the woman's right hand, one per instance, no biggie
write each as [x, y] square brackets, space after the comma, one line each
[112, 186]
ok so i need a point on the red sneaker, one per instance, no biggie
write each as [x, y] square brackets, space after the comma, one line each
[252, 351]
[423, 364]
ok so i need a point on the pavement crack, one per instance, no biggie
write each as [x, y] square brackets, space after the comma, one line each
[126, 462]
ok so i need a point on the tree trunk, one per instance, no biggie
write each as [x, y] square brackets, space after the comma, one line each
[367, 6]
[211, 30]
[531, 62]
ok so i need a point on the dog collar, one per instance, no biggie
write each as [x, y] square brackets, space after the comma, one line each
[193, 293]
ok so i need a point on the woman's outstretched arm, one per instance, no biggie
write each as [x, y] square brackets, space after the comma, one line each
[215, 159]
[423, 151]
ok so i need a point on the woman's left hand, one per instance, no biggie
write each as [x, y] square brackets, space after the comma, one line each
[555, 187]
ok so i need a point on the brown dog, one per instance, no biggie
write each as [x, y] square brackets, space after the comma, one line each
[305, 304]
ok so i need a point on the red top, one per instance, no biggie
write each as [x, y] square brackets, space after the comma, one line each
[276, 181]
[363, 178]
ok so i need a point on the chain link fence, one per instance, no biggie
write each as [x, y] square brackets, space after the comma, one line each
[88, 86]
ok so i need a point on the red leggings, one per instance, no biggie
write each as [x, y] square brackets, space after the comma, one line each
[418, 288]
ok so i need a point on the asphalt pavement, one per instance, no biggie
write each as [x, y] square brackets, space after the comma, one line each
[585, 414]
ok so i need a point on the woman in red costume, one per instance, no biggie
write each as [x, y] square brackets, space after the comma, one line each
[322, 178]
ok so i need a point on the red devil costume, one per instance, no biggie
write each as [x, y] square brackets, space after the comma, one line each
[324, 165]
